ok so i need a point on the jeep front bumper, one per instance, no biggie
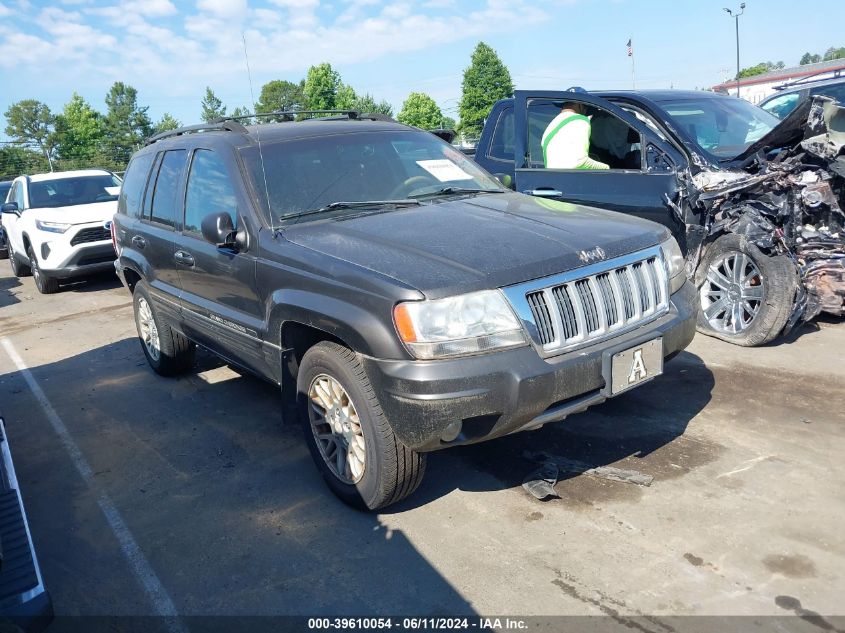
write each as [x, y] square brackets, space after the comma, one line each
[491, 395]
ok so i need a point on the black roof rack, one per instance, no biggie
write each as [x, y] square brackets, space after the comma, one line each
[834, 73]
[330, 115]
[224, 125]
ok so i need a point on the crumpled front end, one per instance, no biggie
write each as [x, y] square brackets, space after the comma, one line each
[789, 205]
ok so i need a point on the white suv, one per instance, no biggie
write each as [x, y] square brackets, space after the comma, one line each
[58, 225]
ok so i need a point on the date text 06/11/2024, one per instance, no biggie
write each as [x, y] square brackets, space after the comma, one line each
[416, 624]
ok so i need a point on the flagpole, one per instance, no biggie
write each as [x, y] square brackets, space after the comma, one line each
[633, 79]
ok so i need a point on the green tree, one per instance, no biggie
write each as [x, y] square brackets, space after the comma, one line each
[810, 58]
[345, 97]
[242, 112]
[448, 123]
[79, 133]
[166, 123]
[30, 121]
[15, 160]
[421, 111]
[321, 86]
[486, 80]
[280, 96]
[759, 69]
[367, 104]
[212, 107]
[126, 123]
[833, 53]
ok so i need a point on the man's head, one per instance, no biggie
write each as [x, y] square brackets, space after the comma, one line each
[578, 108]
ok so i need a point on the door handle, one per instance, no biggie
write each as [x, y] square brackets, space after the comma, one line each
[544, 193]
[181, 257]
[139, 242]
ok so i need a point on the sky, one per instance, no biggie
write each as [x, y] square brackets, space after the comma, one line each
[170, 50]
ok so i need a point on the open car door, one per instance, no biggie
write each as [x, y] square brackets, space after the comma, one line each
[642, 174]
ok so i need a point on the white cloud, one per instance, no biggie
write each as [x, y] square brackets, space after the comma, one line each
[223, 8]
[172, 60]
[4, 10]
[152, 8]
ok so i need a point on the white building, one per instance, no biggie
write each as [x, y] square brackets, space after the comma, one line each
[758, 87]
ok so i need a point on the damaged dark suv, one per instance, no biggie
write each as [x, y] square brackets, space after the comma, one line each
[403, 299]
[755, 203]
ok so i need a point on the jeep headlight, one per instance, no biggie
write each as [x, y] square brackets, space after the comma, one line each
[457, 326]
[675, 262]
[52, 227]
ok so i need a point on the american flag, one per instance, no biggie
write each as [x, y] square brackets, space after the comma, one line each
[630, 48]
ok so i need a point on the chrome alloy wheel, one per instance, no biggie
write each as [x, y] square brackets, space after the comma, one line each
[732, 293]
[147, 329]
[337, 429]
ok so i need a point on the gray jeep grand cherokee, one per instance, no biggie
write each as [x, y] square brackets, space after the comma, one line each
[401, 297]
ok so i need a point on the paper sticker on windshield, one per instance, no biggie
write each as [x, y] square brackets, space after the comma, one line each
[112, 191]
[444, 170]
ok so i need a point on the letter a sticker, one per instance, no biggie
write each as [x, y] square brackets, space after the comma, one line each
[638, 370]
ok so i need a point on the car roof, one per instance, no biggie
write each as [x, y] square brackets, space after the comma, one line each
[59, 175]
[663, 95]
[797, 86]
[238, 136]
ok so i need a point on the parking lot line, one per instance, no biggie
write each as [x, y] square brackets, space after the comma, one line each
[141, 568]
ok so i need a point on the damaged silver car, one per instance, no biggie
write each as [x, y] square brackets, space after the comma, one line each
[755, 202]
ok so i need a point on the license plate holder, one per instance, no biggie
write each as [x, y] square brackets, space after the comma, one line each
[635, 365]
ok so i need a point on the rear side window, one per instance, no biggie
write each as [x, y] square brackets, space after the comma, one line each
[163, 208]
[209, 190]
[133, 186]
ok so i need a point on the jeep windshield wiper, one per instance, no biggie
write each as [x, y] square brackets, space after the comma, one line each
[354, 204]
[447, 191]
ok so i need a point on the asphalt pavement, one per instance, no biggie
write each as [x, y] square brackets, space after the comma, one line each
[192, 497]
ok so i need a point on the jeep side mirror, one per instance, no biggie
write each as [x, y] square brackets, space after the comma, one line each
[218, 229]
[10, 207]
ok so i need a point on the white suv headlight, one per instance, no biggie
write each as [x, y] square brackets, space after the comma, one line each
[52, 227]
[456, 326]
[675, 263]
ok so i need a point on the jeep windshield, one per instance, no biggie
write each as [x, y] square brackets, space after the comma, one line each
[68, 192]
[722, 127]
[357, 172]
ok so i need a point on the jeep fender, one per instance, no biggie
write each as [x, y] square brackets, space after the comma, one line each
[363, 331]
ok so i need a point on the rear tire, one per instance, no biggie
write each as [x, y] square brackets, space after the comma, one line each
[389, 471]
[168, 352]
[18, 269]
[46, 285]
[757, 292]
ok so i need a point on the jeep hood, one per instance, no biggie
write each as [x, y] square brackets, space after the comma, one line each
[78, 213]
[447, 247]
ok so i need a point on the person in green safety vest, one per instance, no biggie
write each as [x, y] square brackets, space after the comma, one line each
[566, 141]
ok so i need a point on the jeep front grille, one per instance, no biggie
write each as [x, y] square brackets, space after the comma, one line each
[594, 302]
[94, 234]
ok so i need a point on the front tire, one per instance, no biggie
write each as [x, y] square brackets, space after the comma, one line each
[46, 285]
[745, 296]
[349, 437]
[168, 352]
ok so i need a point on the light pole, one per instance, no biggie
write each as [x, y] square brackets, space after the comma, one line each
[736, 15]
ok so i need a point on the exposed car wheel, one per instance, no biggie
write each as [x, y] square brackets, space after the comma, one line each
[746, 296]
[18, 269]
[168, 352]
[350, 439]
[46, 285]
